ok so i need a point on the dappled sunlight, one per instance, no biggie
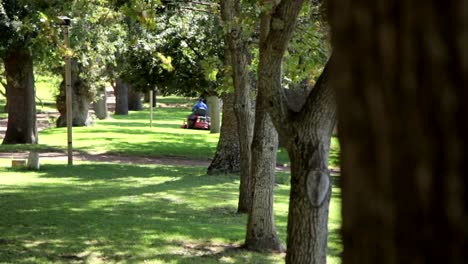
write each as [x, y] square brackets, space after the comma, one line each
[132, 213]
[137, 141]
[66, 208]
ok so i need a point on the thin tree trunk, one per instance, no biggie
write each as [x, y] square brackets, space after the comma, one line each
[134, 99]
[237, 55]
[227, 157]
[121, 97]
[401, 78]
[261, 230]
[21, 128]
[214, 104]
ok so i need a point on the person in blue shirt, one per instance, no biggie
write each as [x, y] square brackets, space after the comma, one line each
[200, 105]
[200, 108]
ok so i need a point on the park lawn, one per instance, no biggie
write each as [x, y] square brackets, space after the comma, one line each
[46, 88]
[131, 135]
[123, 213]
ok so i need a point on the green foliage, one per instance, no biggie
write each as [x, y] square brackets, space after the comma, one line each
[308, 50]
[32, 24]
[194, 42]
[145, 65]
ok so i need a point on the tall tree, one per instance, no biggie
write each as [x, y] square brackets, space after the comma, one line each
[16, 54]
[261, 230]
[400, 75]
[238, 61]
[306, 134]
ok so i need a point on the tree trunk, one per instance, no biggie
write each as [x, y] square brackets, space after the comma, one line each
[401, 75]
[261, 230]
[100, 105]
[21, 128]
[227, 157]
[81, 99]
[237, 58]
[306, 133]
[121, 97]
[214, 104]
[134, 99]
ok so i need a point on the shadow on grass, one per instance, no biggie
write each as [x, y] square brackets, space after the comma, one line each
[121, 213]
[158, 144]
[92, 213]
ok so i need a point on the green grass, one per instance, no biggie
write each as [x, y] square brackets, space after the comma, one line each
[46, 88]
[131, 135]
[117, 213]
[113, 213]
[176, 100]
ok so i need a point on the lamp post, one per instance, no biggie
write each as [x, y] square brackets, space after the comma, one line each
[65, 23]
[151, 107]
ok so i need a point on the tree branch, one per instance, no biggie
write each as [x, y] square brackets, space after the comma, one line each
[277, 26]
[321, 100]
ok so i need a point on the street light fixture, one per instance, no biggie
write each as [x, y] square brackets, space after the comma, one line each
[65, 23]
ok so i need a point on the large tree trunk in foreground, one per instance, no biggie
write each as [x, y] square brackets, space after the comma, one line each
[227, 157]
[214, 105]
[121, 97]
[21, 128]
[100, 105]
[306, 134]
[81, 99]
[237, 58]
[308, 149]
[401, 77]
[134, 99]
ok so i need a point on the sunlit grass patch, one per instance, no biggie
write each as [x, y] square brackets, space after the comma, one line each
[124, 213]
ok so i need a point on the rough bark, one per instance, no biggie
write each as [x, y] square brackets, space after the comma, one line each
[134, 99]
[401, 74]
[227, 157]
[214, 105]
[121, 97]
[21, 128]
[261, 230]
[100, 105]
[306, 134]
[81, 99]
[310, 179]
[238, 60]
